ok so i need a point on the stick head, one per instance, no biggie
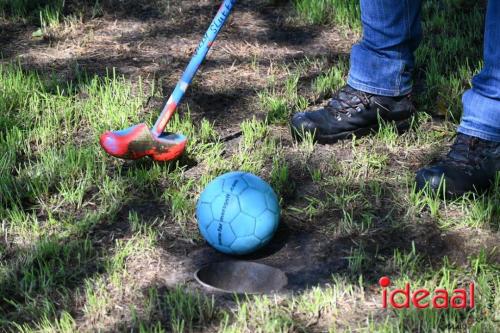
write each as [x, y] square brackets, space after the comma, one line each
[138, 141]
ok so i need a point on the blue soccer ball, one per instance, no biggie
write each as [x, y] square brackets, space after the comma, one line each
[238, 213]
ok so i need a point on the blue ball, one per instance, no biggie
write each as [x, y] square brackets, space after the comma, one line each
[238, 213]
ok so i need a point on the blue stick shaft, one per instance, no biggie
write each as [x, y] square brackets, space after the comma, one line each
[197, 59]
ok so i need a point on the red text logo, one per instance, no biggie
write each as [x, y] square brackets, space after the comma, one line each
[422, 298]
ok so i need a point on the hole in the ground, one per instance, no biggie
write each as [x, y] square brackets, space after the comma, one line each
[241, 277]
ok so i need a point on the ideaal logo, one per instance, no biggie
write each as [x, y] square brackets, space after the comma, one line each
[422, 298]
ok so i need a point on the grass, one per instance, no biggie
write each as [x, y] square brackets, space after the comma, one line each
[48, 13]
[332, 80]
[54, 18]
[23, 8]
[343, 12]
[444, 75]
[328, 305]
[186, 309]
[280, 104]
[86, 240]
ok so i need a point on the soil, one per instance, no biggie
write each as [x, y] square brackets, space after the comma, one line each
[150, 44]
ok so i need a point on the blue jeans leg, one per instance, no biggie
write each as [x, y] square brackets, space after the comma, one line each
[382, 62]
[481, 117]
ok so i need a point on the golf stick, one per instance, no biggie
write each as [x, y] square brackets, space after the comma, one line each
[139, 141]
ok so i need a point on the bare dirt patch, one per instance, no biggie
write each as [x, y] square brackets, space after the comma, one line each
[257, 41]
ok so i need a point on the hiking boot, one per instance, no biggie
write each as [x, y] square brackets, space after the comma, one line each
[352, 112]
[471, 165]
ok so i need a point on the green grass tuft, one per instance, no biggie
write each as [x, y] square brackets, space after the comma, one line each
[343, 12]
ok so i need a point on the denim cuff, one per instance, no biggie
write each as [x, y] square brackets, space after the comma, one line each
[372, 73]
[481, 117]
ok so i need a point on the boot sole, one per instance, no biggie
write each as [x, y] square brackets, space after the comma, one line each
[401, 126]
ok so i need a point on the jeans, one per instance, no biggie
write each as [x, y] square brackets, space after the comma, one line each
[383, 61]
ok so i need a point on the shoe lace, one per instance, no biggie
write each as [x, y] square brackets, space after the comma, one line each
[466, 150]
[347, 99]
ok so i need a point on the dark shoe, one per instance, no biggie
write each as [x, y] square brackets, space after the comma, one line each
[352, 112]
[471, 165]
